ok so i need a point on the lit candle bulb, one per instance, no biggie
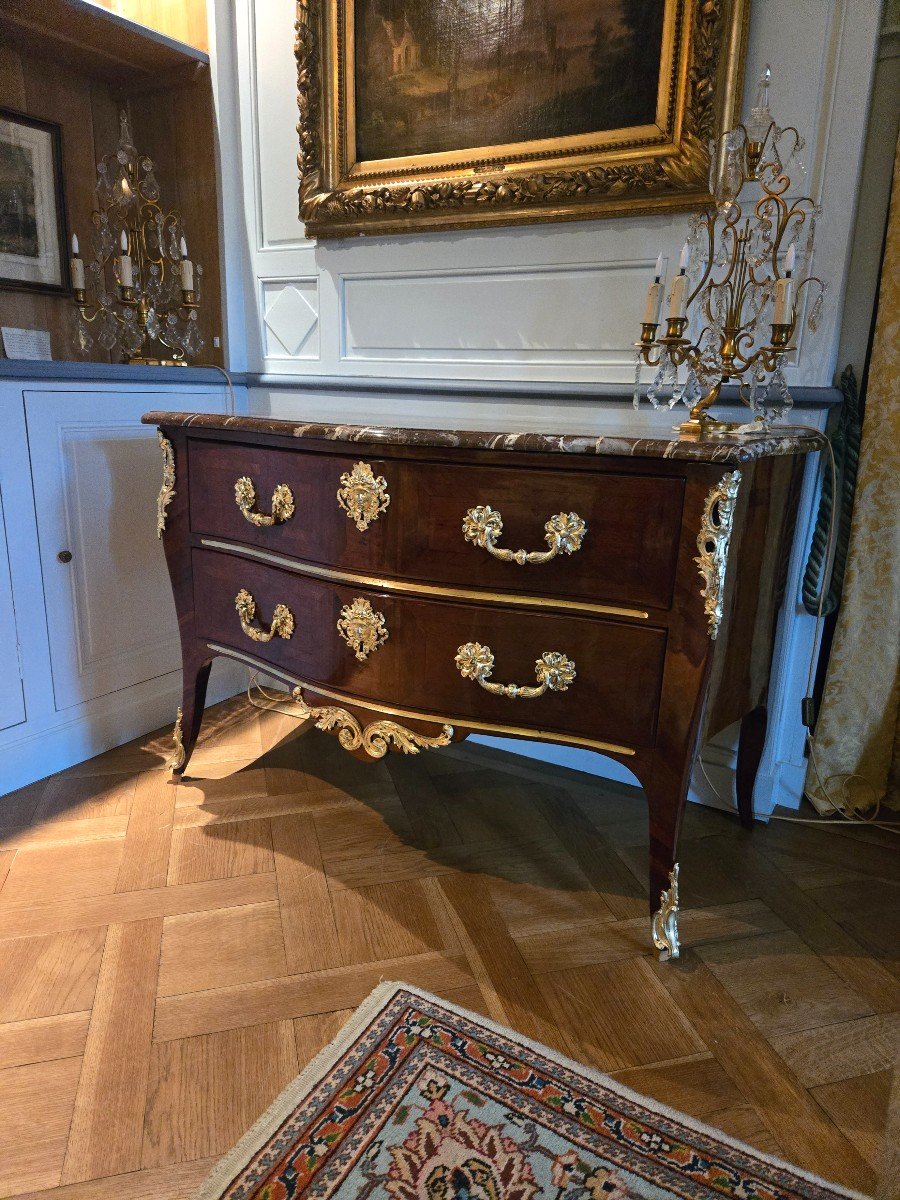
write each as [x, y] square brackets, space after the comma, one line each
[784, 290]
[76, 263]
[678, 299]
[187, 269]
[126, 278]
[654, 296]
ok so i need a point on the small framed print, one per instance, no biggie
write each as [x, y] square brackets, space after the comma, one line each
[32, 208]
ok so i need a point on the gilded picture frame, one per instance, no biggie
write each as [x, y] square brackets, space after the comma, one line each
[661, 163]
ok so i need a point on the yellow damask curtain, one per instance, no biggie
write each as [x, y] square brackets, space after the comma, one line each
[856, 750]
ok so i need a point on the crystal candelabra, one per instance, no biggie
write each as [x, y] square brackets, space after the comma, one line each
[733, 306]
[140, 290]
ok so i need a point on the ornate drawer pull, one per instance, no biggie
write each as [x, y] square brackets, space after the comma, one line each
[362, 628]
[553, 670]
[563, 533]
[282, 503]
[362, 495]
[282, 619]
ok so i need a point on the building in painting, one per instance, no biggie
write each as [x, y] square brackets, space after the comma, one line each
[404, 49]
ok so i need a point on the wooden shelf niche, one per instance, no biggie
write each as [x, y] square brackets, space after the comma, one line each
[78, 64]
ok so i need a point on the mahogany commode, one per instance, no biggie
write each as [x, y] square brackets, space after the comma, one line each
[413, 586]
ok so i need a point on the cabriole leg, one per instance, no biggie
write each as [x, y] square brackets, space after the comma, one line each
[190, 714]
[665, 799]
[750, 750]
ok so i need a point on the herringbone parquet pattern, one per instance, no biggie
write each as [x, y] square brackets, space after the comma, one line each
[170, 956]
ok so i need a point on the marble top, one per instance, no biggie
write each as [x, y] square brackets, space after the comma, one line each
[736, 448]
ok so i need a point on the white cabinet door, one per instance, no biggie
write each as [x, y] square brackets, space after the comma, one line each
[12, 698]
[97, 472]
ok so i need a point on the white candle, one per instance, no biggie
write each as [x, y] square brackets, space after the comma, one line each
[187, 269]
[126, 278]
[784, 291]
[654, 296]
[678, 298]
[76, 264]
[652, 304]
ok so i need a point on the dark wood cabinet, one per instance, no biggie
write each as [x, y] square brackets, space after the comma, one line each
[412, 586]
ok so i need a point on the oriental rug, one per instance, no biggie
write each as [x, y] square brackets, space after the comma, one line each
[417, 1099]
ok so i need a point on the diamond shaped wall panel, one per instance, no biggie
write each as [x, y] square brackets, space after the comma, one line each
[291, 318]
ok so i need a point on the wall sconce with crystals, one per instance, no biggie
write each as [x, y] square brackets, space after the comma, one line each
[732, 309]
[140, 288]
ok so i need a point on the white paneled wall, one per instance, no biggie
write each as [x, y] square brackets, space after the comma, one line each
[556, 302]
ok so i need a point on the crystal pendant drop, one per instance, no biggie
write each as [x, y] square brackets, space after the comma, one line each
[153, 325]
[149, 184]
[654, 391]
[638, 363]
[193, 339]
[83, 339]
[815, 313]
[108, 331]
[132, 338]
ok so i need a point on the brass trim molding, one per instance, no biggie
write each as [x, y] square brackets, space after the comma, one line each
[245, 499]
[362, 495]
[422, 589]
[376, 738]
[167, 491]
[469, 723]
[175, 765]
[282, 619]
[563, 534]
[362, 628]
[661, 165]
[553, 670]
[713, 541]
[665, 920]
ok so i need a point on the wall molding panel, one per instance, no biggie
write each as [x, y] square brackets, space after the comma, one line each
[290, 309]
[550, 316]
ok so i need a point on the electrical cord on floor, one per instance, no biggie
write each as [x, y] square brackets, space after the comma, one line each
[274, 699]
[215, 367]
[848, 812]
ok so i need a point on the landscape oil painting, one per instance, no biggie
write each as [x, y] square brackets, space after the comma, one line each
[32, 232]
[462, 74]
[449, 114]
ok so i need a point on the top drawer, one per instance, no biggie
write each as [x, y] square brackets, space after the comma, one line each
[626, 556]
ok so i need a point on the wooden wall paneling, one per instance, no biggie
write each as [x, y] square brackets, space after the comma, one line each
[194, 126]
[184, 20]
[173, 123]
[176, 128]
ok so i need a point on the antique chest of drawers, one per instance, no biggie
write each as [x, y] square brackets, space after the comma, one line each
[412, 586]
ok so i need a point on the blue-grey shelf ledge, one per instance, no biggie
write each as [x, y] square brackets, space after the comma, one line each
[94, 372]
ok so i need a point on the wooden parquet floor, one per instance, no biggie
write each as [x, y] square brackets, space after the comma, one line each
[171, 956]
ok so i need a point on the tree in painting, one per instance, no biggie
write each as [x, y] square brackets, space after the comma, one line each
[437, 77]
[18, 220]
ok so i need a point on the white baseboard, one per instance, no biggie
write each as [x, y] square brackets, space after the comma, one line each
[102, 724]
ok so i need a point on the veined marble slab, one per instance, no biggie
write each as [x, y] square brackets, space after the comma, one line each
[735, 448]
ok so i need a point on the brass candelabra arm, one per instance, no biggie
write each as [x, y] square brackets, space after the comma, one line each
[678, 347]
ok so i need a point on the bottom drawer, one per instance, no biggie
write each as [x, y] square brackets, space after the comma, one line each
[613, 697]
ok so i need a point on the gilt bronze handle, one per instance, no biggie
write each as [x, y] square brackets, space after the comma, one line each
[553, 670]
[563, 534]
[282, 503]
[282, 619]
